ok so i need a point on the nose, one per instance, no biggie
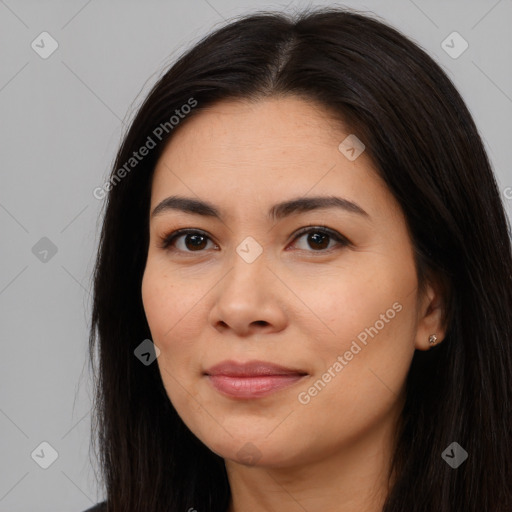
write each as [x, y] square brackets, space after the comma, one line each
[249, 299]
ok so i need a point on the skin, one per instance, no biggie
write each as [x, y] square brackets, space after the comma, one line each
[295, 305]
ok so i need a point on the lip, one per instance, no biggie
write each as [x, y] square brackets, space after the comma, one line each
[252, 379]
[251, 369]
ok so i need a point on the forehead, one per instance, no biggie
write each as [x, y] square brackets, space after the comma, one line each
[265, 123]
[272, 148]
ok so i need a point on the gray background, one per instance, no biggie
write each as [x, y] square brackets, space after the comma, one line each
[62, 119]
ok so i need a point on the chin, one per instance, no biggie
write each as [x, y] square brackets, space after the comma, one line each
[250, 450]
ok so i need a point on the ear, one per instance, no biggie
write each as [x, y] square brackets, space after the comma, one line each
[431, 314]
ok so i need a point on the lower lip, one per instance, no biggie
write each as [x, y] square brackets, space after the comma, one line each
[252, 387]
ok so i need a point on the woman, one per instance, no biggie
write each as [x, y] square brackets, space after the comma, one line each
[303, 291]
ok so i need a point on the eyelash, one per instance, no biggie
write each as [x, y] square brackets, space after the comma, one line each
[167, 240]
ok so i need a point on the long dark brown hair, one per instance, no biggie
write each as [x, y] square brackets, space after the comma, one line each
[425, 145]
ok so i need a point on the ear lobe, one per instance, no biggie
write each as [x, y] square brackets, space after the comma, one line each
[431, 316]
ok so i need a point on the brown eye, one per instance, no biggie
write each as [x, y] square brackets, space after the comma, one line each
[318, 239]
[192, 240]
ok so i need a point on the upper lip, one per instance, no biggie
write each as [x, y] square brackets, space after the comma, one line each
[251, 369]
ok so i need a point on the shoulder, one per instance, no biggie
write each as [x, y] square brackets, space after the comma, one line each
[100, 507]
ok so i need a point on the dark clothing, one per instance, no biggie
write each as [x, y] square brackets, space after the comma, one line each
[100, 507]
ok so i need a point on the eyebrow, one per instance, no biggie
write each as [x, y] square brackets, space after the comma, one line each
[276, 212]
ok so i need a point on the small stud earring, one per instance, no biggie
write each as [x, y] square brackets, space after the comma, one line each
[432, 339]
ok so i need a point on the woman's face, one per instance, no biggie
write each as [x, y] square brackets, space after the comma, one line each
[338, 306]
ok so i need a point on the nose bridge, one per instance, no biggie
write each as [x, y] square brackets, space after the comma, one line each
[248, 264]
[244, 294]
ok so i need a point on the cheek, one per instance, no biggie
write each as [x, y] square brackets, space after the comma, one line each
[175, 320]
[355, 298]
[360, 372]
[367, 316]
[166, 313]
[165, 305]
